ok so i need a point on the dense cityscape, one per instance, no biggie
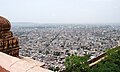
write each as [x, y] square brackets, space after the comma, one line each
[51, 44]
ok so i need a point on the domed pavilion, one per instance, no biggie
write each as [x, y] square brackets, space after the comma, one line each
[8, 43]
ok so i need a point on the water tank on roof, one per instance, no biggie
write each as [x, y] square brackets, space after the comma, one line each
[4, 24]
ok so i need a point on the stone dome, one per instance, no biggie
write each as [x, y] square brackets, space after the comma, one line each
[4, 24]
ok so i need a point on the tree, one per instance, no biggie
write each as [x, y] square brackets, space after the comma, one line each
[76, 64]
[105, 66]
[111, 63]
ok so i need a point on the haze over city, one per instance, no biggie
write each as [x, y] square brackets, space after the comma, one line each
[61, 11]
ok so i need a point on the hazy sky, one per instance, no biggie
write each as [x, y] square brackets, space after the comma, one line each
[61, 11]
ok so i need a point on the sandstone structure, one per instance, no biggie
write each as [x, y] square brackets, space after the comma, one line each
[8, 43]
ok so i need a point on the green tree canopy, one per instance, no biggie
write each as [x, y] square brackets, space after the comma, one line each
[110, 64]
[76, 63]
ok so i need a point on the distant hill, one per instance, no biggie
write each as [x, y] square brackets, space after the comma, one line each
[24, 24]
[31, 24]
